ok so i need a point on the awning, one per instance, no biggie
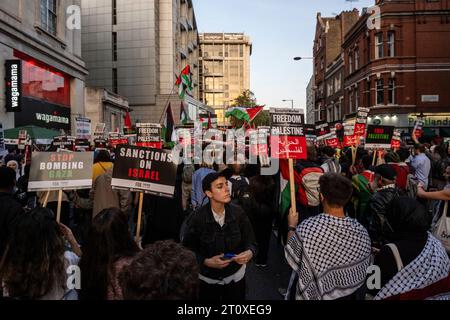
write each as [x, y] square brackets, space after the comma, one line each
[34, 132]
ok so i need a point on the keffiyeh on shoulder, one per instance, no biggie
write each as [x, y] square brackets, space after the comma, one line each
[422, 276]
[330, 256]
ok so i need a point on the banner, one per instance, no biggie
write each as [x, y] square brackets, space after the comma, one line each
[310, 133]
[396, 139]
[82, 145]
[115, 138]
[143, 169]
[13, 85]
[60, 171]
[418, 128]
[287, 134]
[83, 127]
[361, 121]
[379, 137]
[100, 143]
[22, 139]
[64, 142]
[349, 136]
[100, 130]
[149, 135]
[322, 130]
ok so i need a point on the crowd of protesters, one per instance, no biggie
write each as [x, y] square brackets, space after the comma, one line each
[354, 209]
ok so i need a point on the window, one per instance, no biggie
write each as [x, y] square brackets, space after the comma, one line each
[330, 114]
[114, 45]
[114, 88]
[369, 94]
[368, 49]
[350, 63]
[350, 102]
[321, 63]
[356, 59]
[48, 16]
[391, 91]
[113, 122]
[241, 51]
[379, 45]
[337, 112]
[114, 12]
[380, 92]
[357, 98]
[391, 44]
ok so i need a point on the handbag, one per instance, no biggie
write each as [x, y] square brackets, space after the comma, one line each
[442, 229]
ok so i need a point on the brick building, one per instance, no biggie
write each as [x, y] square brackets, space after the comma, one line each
[330, 32]
[401, 70]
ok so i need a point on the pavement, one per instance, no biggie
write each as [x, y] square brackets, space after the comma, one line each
[264, 283]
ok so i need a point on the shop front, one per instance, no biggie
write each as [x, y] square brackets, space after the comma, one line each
[45, 96]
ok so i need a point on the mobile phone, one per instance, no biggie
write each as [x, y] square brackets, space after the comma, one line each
[228, 256]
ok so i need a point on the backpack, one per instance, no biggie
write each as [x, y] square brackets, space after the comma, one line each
[411, 186]
[188, 172]
[308, 191]
[333, 165]
[239, 185]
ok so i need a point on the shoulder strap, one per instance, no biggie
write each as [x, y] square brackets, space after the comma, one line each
[398, 259]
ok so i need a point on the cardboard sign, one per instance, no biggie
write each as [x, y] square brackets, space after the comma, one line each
[361, 121]
[83, 127]
[100, 130]
[64, 142]
[379, 137]
[100, 143]
[287, 138]
[418, 128]
[60, 171]
[396, 139]
[322, 130]
[143, 169]
[115, 139]
[149, 135]
[258, 142]
[310, 132]
[82, 145]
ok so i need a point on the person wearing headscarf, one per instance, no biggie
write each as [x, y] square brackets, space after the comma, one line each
[414, 264]
[15, 166]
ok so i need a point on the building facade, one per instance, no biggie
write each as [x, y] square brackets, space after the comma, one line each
[402, 70]
[310, 114]
[334, 93]
[328, 41]
[225, 69]
[46, 52]
[105, 107]
[137, 49]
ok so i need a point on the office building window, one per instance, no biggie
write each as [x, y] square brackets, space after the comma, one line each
[380, 92]
[379, 45]
[391, 44]
[48, 16]
[114, 45]
[391, 91]
[114, 12]
[115, 87]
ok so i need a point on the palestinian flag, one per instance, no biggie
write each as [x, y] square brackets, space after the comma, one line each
[168, 123]
[241, 113]
[184, 118]
[285, 189]
[184, 81]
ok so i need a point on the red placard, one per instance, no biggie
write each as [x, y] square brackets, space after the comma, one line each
[334, 142]
[360, 129]
[395, 144]
[290, 147]
[115, 142]
[153, 145]
[349, 141]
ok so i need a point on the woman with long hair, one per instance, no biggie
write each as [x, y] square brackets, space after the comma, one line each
[34, 264]
[109, 248]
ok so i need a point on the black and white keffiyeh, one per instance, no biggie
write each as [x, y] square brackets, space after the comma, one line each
[431, 266]
[330, 255]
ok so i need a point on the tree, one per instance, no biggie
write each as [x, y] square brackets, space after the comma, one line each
[246, 99]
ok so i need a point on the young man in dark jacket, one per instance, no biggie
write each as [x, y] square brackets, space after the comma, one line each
[221, 236]
[379, 205]
[10, 208]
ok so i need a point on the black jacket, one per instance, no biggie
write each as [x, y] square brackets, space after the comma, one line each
[207, 239]
[376, 212]
[10, 210]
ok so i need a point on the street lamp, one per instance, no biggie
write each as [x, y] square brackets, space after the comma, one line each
[302, 58]
[291, 100]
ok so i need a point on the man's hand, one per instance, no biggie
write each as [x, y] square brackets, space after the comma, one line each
[244, 257]
[216, 262]
[292, 218]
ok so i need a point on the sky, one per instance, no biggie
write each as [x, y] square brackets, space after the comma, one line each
[279, 30]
